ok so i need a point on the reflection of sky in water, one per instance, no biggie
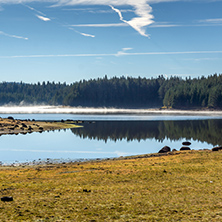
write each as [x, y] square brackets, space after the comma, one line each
[66, 145]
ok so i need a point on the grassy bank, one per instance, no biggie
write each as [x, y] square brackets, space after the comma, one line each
[181, 186]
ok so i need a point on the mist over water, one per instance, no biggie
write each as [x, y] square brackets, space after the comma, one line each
[103, 110]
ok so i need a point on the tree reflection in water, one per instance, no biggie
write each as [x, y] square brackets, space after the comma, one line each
[209, 131]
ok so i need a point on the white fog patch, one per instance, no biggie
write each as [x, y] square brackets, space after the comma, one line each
[102, 111]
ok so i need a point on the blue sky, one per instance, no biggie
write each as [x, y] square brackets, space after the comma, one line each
[70, 40]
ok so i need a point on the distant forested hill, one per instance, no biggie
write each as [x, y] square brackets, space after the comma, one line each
[120, 92]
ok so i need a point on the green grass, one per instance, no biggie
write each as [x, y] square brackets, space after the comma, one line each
[183, 186]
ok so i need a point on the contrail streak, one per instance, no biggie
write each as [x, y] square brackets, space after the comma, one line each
[121, 53]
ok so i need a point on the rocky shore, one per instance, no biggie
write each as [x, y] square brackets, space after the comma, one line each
[15, 126]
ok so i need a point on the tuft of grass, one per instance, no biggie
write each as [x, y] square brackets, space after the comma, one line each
[184, 186]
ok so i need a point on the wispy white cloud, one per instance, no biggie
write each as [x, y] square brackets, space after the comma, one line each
[200, 23]
[87, 35]
[107, 25]
[123, 51]
[119, 13]
[126, 49]
[207, 22]
[81, 9]
[101, 25]
[120, 53]
[51, 56]
[45, 19]
[138, 23]
[142, 10]
[203, 59]
[163, 25]
[40, 14]
[13, 36]
[96, 10]
[33, 9]
[215, 21]
[82, 33]
[98, 2]
[218, 20]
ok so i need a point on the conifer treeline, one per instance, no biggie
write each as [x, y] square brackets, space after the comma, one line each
[119, 92]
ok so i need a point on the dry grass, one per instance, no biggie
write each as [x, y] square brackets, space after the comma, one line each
[183, 187]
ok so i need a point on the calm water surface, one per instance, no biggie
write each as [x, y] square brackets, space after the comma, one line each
[110, 136]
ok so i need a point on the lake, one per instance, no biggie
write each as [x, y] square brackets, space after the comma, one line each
[107, 136]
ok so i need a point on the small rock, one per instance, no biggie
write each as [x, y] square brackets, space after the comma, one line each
[7, 199]
[186, 143]
[10, 117]
[165, 149]
[30, 128]
[24, 125]
[217, 148]
[185, 148]
[87, 191]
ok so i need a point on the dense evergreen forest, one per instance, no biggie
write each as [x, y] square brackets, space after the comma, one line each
[122, 92]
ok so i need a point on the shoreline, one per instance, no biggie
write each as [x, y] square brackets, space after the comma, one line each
[55, 162]
[13, 126]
